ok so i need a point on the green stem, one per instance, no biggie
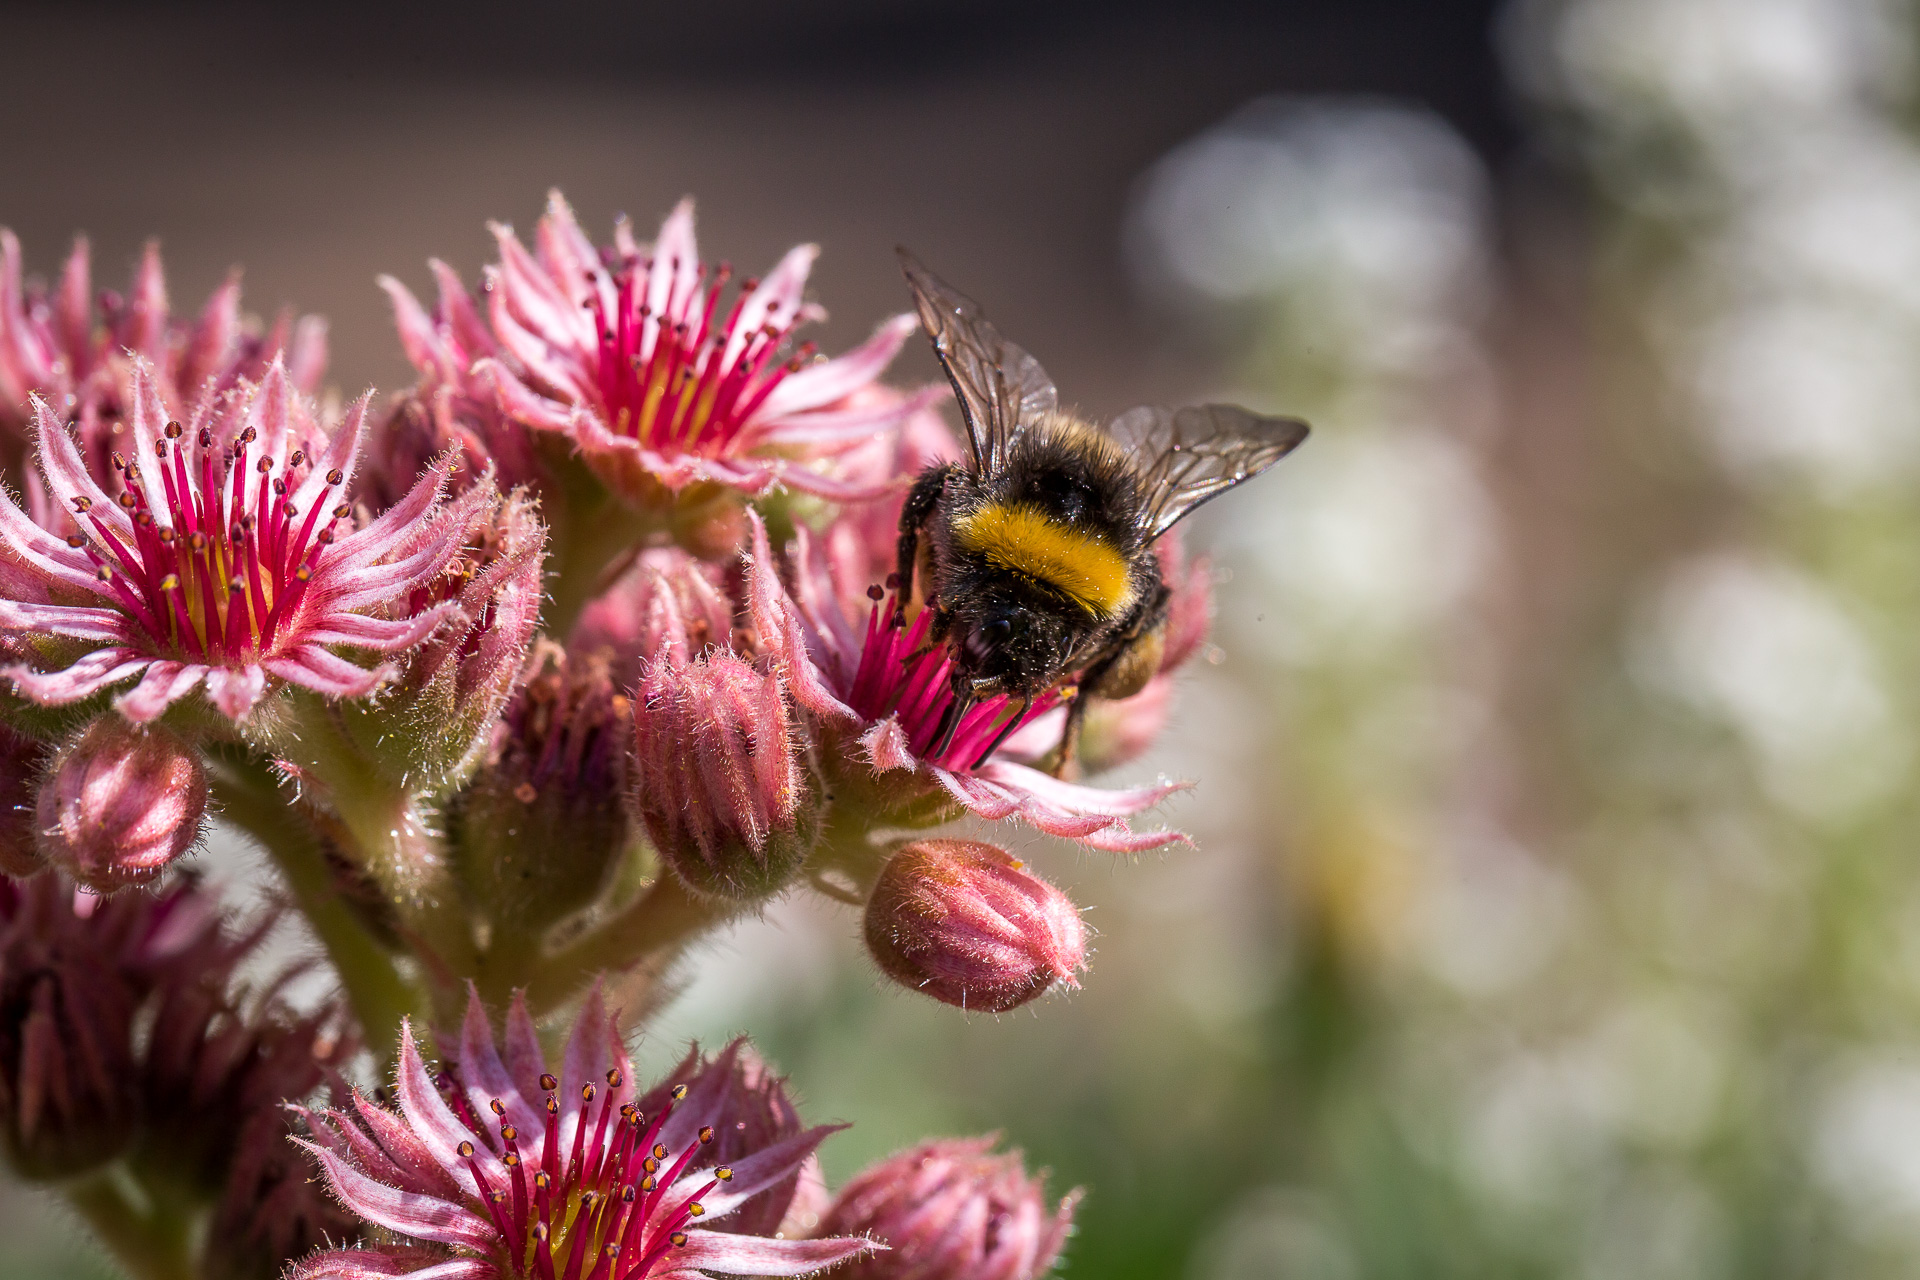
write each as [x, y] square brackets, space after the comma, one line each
[389, 836]
[150, 1240]
[379, 996]
[652, 932]
[595, 538]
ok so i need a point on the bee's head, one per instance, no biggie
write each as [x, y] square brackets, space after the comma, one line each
[1017, 648]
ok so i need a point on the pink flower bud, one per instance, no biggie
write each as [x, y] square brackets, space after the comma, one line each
[121, 802]
[20, 762]
[950, 1209]
[760, 1115]
[453, 686]
[969, 925]
[667, 598]
[545, 819]
[717, 774]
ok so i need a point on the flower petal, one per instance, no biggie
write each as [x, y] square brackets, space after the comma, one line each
[432, 1119]
[420, 1216]
[86, 677]
[488, 1081]
[759, 1256]
[830, 380]
[164, 684]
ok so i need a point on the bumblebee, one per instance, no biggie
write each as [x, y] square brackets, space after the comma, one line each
[1036, 555]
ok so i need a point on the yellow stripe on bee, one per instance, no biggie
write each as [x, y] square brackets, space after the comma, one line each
[1080, 565]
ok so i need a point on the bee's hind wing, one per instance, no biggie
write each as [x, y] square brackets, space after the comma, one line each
[1000, 386]
[1193, 454]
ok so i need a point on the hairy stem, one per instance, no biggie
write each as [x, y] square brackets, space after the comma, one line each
[387, 831]
[374, 988]
[148, 1239]
[650, 934]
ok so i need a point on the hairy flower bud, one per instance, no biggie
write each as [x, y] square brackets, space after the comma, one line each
[545, 820]
[667, 598]
[950, 1209]
[969, 925]
[120, 802]
[717, 774]
[20, 763]
[451, 688]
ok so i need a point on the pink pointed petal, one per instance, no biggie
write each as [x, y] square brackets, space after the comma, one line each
[418, 337]
[67, 474]
[77, 621]
[164, 684]
[351, 1143]
[42, 552]
[591, 1051]
[764, 1168]
[780, 294]
[777, 621]
[543, 361]
[487, 1078]
[405, 1151]
[149, 418]
[411, 1214]
[821, 485]
[399, 522]
[359, 586]
[145, 331]
[307, 354]
[386, 635]
[822, 384]
[312, 667]
[887, 747]
[1119, 838]
[372, 1264]
[215, 333]
[73, 310]
[236, 690]
[86, 677]
[760, 1256]
[705, 1102]
[21, 367]
[459, 314]
[531, 298]
[676, 263]
[1072, 797]
[521, 402]
[427, 1112]
[526, 1061]
[564, 250]
[839, 428]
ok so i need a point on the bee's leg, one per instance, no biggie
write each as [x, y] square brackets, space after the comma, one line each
[1006, 731]
[1064, 765]
[1120, 671]
[956, 711]
[921, 500]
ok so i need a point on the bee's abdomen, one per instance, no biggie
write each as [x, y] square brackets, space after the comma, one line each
[1077, 562]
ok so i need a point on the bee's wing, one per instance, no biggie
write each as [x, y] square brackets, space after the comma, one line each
[1193, 454]
[1000, 386]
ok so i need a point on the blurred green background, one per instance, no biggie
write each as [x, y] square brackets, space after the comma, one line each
[1555, 909]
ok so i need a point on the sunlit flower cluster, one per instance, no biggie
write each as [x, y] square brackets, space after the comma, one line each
[524, 680]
